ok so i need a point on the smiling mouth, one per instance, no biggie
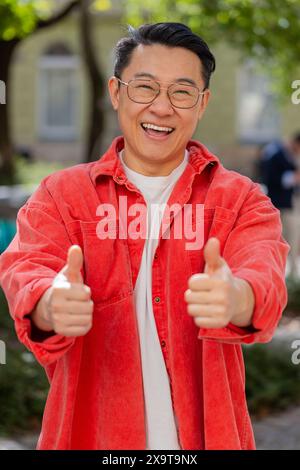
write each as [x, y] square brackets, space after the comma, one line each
[156, 132]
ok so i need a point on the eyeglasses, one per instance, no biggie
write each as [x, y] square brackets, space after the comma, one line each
[145, 91]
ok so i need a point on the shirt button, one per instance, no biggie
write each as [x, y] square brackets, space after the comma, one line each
[155, 256]
[157, 299]
[163, 343]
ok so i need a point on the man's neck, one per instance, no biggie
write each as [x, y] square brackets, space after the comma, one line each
[152, 168]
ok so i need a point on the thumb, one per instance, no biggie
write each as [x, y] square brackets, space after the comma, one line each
[74, 264]
[212, 257]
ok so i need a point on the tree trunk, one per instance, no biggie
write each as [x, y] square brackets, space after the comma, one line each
[7, 170]
[7, 167]
[97, 86]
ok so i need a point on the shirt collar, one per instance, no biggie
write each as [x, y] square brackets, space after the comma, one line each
[110, 164]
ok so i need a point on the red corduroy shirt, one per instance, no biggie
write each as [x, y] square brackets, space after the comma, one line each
[95, 399]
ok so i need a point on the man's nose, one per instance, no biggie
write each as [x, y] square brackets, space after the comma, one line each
[162, 103]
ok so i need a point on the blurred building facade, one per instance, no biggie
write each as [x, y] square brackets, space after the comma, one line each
[50, 98]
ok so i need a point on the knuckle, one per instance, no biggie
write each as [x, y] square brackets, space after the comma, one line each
[187, 295]
[55, 306]
[89, 309]
[87, 328]
[191, 308]
[223, 310]
[87, 290]
[192, 283]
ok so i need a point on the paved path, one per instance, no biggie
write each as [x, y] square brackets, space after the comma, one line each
[280, 431]
[22, 443]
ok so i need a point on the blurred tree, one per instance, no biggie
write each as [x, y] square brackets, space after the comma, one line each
[267, 30]
[18, 20]
[95, 77]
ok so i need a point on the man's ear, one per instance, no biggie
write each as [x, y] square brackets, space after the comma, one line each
[113, 90]
[204, 103]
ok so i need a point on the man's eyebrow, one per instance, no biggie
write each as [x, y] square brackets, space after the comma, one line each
[149, 75]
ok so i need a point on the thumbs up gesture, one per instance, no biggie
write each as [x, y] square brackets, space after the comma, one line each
[68, 303]
[216, 297]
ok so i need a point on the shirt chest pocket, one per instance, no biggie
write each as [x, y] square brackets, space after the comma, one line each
[216, 222]
[106, 264]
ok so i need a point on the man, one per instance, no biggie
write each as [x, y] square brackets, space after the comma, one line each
[140, 329]
[281, 176]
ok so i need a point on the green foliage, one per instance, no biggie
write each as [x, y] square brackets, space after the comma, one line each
[272, 380]
[17, 19]
[267, 30]
[23, 383]
[100, 5]
[32, 173]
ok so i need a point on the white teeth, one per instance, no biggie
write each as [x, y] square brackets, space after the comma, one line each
[157, 128]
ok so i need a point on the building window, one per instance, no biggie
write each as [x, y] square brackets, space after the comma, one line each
[258, 119]
[58, 94]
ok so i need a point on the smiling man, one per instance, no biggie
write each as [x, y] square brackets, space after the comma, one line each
[141, 336]
[160, 99]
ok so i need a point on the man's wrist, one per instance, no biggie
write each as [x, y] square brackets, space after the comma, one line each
[245, 301]
[39, 315]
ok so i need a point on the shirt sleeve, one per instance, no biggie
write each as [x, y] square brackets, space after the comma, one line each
[256, 252]
[27, 268]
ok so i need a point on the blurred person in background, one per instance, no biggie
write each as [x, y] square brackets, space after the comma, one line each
[280, 174]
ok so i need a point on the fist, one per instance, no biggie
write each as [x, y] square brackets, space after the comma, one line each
[211, 296]
[69, 308]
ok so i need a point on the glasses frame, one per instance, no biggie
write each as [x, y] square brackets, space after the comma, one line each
[149, 102]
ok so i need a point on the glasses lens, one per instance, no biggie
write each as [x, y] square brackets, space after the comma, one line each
[183, 96]
[145, 91]
[142, 91]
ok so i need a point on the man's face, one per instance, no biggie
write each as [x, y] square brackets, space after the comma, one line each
[166, 65]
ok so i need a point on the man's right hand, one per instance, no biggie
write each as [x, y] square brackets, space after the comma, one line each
[66, 307]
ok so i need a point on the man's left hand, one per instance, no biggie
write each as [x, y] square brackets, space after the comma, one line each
[215, 297]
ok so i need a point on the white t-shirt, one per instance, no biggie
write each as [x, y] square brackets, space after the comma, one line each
[161, 421]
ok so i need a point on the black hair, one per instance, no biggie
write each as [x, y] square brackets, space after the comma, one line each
[168, 34]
